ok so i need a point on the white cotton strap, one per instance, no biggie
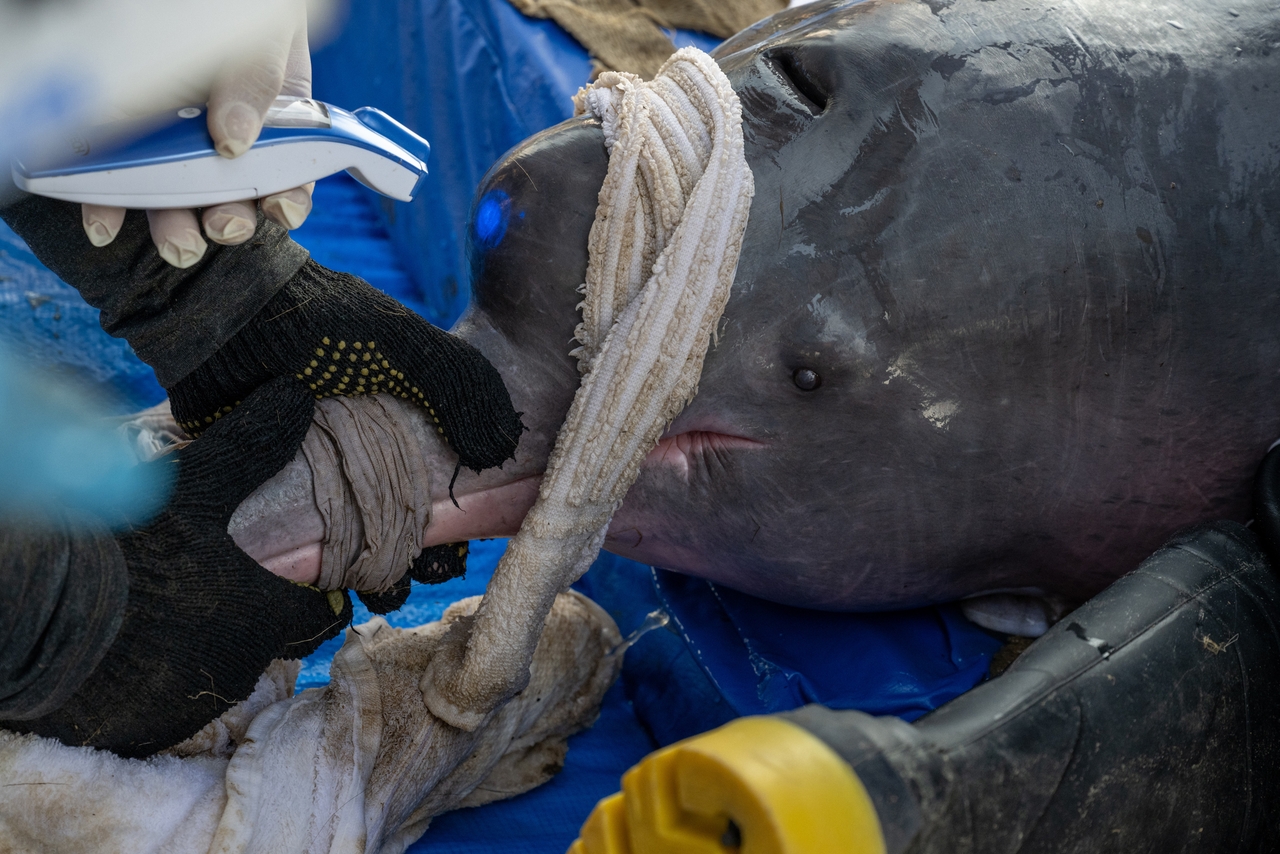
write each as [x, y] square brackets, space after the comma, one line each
[663, 253]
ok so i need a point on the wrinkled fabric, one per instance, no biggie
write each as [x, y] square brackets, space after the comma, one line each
[372, 487]
[628, 35]
[222, 735]
[77, 800]
[385, 765]
[663, 251]
[357, 767]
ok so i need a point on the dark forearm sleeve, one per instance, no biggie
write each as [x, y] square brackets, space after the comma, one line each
[63, 601]
[174, 319]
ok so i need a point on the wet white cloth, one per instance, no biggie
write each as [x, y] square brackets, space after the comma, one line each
[664, 249]
[372, 487]
[357, 767]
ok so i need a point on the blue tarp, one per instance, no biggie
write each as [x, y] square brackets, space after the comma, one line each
[724, 654]
[43, 320]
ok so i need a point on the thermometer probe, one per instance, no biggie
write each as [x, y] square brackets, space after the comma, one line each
[176, 165]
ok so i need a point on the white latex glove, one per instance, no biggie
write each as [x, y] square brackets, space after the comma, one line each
[238, 101]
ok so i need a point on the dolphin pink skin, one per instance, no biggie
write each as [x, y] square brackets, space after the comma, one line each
[1004, 318]
[281, 528]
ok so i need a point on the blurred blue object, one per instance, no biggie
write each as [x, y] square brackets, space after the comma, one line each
[61, 377]
[473, 76]
[63, 456]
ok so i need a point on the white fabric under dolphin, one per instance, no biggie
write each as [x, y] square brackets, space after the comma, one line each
[664, 249]
[357, 767]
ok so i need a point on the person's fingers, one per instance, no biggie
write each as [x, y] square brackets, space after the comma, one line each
[291, 207]
[101, 222]
[297, 69]
[230, 223]
[176, 235]
[241, 94]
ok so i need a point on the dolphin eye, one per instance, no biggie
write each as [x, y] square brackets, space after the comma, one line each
[806, 379]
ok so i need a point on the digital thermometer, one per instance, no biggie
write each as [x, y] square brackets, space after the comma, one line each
[176, 166]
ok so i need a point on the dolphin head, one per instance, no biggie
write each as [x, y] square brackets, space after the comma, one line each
[973, 343]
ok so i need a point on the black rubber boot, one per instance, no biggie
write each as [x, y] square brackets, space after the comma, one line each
[1147, 720]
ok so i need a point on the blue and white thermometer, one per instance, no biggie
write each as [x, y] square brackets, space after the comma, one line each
[176, 166]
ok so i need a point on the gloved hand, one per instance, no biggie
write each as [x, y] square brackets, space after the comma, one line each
[237, 105]
[246, 314]
[202, 620]
[339, 335]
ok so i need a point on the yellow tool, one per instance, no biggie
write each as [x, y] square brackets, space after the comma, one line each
[756, 785]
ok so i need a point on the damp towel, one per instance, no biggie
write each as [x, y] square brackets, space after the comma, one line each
[663, 251]
[628, 35]
[372, 487]
[356, 767]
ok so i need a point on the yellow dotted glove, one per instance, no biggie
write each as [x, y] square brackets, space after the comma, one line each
[338, 335]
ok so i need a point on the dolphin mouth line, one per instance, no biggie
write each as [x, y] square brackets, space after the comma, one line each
[682, 451]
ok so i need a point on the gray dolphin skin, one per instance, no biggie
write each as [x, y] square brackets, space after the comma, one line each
[1006, 313]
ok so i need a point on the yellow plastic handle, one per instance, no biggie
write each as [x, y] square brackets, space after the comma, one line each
[754, 786]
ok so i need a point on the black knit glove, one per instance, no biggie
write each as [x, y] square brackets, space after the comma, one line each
[203, 620]
[341, 336]
[436, 565]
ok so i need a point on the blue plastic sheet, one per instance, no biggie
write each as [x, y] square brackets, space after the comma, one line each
[722, 656]
[767, 657]
[725, 654]
[44, 321]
